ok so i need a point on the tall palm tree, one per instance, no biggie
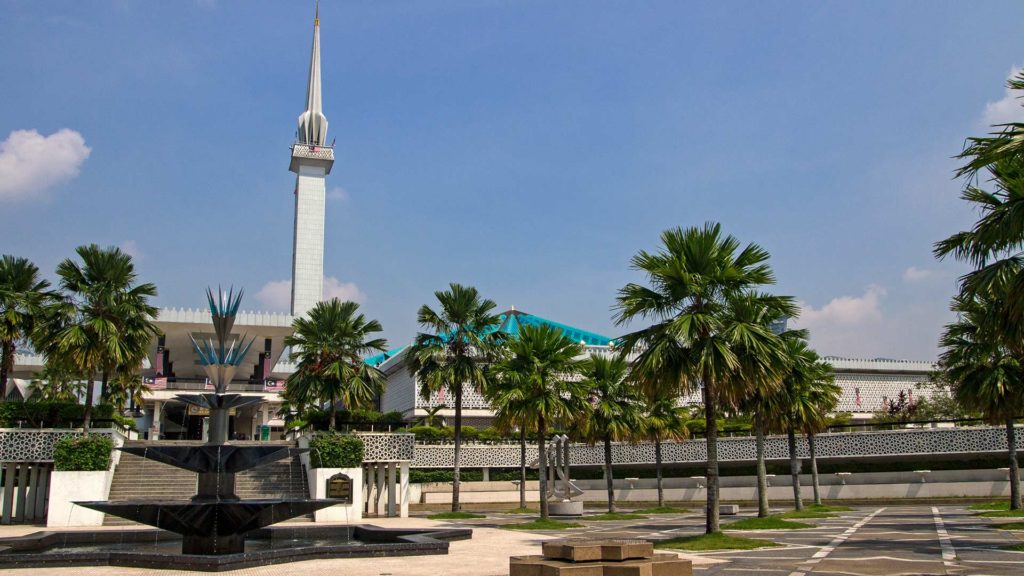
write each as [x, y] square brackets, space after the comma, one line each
[506, 394]
[127, 390]
[693, 343]
[543, 364]
[104, 321]
[762, 369]
[23, 295]
[329, 344]
[616, 408]
[986, 375]
[816, 400]
[663, 419]
[458, 342]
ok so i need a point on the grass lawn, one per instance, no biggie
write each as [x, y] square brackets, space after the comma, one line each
[523, 511]
[1016, 547]
[1002, 505]
[769, 523]
[455, 516]
[543, 525]
[716, 541]
[1010, 526]
[662, 510]
[614, 516]
[1002, 514]
[815, 512]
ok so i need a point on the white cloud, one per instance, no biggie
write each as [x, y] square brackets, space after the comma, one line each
[843, 310]
[30, 163]
[276, 295]
[915, 274]
[131, 248]
[1009, 109]
[337, 194]
[334, 288]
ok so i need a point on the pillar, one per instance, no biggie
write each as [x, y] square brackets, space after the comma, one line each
[378, 489]
[391, 489]
[154, 429]
[487, 474]
[371, 481]
[403, 510]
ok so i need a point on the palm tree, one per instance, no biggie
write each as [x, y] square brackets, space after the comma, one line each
[104, 321]
[506, 394]
[663, 420]
[542, 362]
[616, 408]
[815, 401]
[329, 345]
[693, 344]
[23, 294]
[58, 381]
[1005, 143]
[458, 341]
[761, 369]
[433, 417]
[127, 390]
[985, 374]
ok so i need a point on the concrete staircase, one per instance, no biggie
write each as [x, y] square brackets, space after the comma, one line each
[137, 478]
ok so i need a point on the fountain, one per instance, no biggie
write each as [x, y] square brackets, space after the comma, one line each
[214, 524]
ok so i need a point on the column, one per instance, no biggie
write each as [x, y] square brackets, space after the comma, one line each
[487, 474]
[371, 481]
[403, 510]
[378, 489]
[154, 429]
[391, 489]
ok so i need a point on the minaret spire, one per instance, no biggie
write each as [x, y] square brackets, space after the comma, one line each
[312, 122]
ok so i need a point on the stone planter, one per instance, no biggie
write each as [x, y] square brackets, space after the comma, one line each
[318, 480]
[66, 488]
[565, 508]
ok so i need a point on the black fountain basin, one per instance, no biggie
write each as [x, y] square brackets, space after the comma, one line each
[211, 527]
[150, 548]
[215, 458]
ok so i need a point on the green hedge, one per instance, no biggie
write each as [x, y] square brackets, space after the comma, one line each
[50, 414]
[82, 453]
[331, 450]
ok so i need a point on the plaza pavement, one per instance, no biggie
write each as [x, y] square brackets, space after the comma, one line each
[882, 540]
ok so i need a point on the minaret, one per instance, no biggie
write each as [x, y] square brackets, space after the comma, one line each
[312, 160]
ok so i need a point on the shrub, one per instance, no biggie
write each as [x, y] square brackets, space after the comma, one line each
[82, 453]
[50, 414]
[490, 435]
[331, 450]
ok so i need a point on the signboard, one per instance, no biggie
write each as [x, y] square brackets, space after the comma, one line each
[264, 433]
[339, 487]
[194, 410]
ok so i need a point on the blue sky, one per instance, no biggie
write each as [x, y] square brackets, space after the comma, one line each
[528, 148]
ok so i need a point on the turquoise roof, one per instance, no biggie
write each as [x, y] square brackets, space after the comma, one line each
[510, 322]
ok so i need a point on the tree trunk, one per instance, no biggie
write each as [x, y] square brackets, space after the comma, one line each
[104, 376]
[458, 447]
[762, 473]
[609, 480]
[6, 366]
[543, 467]
[711, 525]
[333, 425]
[794, 468]
[814, 470]
[90, 388]
[522, 467]
[657, 468]
[1011, 444]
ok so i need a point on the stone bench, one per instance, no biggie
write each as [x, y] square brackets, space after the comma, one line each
[599, 558]
[728, 509]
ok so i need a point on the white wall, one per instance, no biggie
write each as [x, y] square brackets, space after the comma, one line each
[353, 512]
[66, 488]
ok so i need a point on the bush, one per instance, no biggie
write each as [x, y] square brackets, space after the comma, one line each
[50, 414]
[429, 434]
[490, 435]
[331, 450]
[82, 453]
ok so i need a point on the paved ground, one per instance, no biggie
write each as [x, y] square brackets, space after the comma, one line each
[868, 541]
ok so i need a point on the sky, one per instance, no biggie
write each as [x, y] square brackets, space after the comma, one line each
[528, 148]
